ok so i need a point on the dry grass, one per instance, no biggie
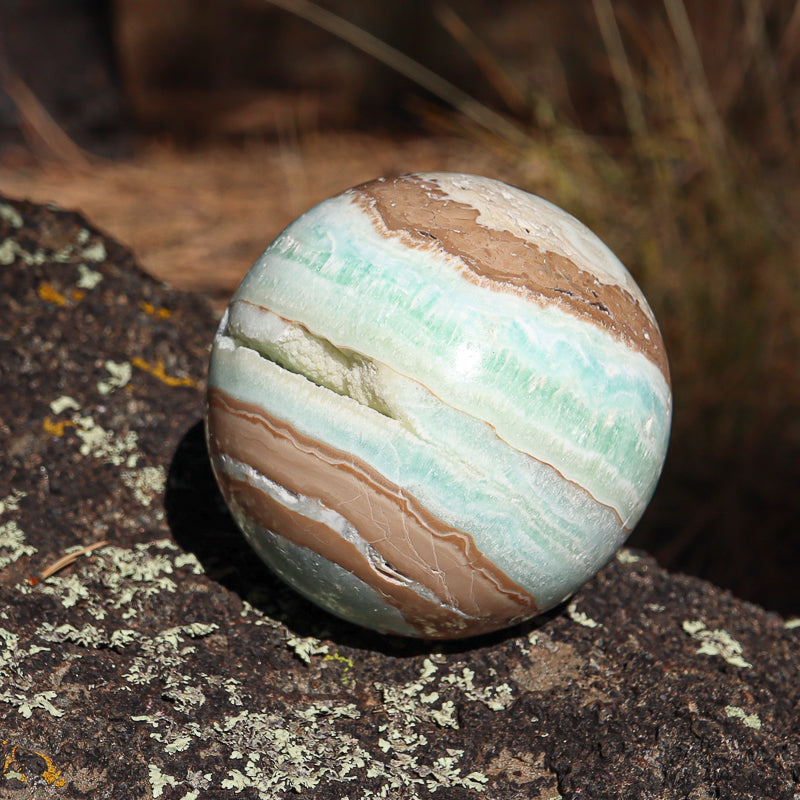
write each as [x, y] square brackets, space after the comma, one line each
[198, 219]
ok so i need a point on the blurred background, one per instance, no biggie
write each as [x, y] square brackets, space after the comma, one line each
[195, 130]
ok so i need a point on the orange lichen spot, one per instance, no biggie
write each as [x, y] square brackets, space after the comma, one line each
[12, 768]
[157, 371]
[149, 308]
[78, 295]
[50, 294]
[56, 428]
[51, 775]
[9, 759]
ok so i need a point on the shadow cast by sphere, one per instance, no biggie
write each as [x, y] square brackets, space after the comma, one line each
[201, 524]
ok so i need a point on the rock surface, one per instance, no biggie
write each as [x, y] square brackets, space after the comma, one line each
[169, 663]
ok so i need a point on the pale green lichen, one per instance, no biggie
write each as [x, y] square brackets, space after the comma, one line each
[146, 484]
[10, 503]
[120, 377]
[183, 693]
[95, 252]
[105, 445]
[40, 700]
[716, 643]
[298, 749]
[69, 589]
[83, 250]
[87, 635]
[163, 658]
[15, 685]
[159, 781]
[188, 561]
[64, 403]
[792, 623]
[12, 543]
[11, 215]
[10, 250]
[197, 630]
[89, 278]
[130, 575]
[496, 697]
[748, 720]
[231, 687]
[580, 618]
[625, 556]
[291, 748]
[305, 647]
[178, 745]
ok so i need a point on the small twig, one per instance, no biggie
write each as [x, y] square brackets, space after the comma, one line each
[65, 561]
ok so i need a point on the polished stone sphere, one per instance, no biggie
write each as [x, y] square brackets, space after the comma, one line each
[437, 405]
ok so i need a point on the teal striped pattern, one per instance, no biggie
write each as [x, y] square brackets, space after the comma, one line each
[536, 431]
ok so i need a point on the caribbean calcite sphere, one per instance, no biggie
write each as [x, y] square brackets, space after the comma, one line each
[437, 405]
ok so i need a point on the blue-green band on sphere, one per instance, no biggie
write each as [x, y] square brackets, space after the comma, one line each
[438, 405]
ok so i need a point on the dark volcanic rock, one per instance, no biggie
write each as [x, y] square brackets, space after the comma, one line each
[169, 663]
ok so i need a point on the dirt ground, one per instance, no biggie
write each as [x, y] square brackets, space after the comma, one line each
[198, 219]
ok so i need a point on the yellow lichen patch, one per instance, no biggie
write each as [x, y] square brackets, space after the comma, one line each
[50, 294]
[149, 308]
[52, 775]
[14, 770]
[56, 428]
[347, 679]
[157, 371]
